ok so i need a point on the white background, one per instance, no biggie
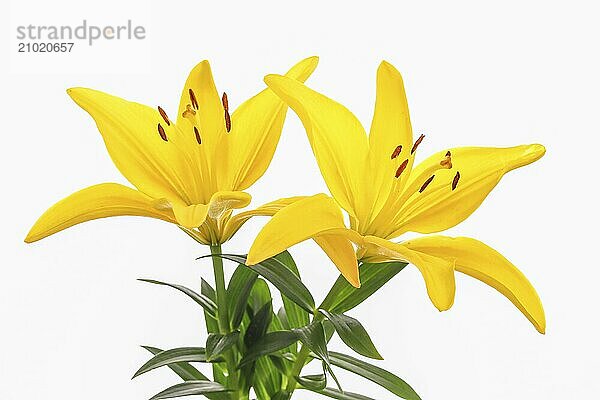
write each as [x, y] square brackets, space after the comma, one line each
[71, 312]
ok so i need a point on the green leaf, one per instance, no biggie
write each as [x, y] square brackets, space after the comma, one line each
[185, 370]
[281, 277]
[182, 354]
[238, 291]
[336, 394]
[375, 374]
[267, 378]
[189, 389]
[269, 343]
[296, 315]
[343, 296]
[258, 325]
[353, 334]
[282, 396]
[259, 296]
[206, 303]
[313, 382]
[217, 344]
[313, 336]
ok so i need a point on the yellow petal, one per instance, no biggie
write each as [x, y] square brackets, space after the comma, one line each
[439, 207]
[338, 140]
[340, 250]
[437, 272]
[210, 113]
[159, 168]
[256, 127]
[192, 216]
[295, 223]
[98, 201]
[234, 223]
[390, 130]
[484, 263]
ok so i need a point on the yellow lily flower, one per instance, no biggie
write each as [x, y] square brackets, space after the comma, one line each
[374, 180]
[191, 171]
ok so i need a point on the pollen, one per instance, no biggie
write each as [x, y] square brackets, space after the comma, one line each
[417, 143]
[164, 116]
[401, 168]
[455, 180]
[197, 134]
[193, 99]
[427, 182]
[397, 151]
[447, 161]
[161, 132]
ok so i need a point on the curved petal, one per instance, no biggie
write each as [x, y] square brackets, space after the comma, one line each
[390, 138]
[337, 138]
[437, 272]
[255, 130]
[147, 156]
[340, 250]
[192, 216]
[98, 201]
[484, 263]
[439, 206]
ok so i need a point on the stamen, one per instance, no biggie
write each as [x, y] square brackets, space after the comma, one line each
[401, 168]
[198, 138]
[193, 98]
[455, 180]
[226, 108]
[189, 112]
[447, 161]
[161, 132]
[164, 116]
[397, 151]
[427, 182]
[417, 143]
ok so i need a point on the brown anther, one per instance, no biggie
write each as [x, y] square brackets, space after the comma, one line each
[189, 112]
[197, 133]
[164, 116]
[161, 132]
[227, 121]
[455, 180]
[397, 151]
[417, 143]
[225, 102]
[401, 168]
[447, 161]
[427, 182]
[193, 98]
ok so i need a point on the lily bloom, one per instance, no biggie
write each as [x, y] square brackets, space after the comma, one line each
[374, 180]
[191, 170]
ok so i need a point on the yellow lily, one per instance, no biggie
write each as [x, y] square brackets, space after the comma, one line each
[374, 180]
[191, 171]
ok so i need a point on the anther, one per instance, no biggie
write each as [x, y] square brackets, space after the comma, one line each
[161, 132]
[225, 102]
[396, 152]
[455, 180]
[226, 108]
[198, 138]
[447, 161]
[417, 143]
[164, 116]
[193, 98]
[427, 182]
[401, 168]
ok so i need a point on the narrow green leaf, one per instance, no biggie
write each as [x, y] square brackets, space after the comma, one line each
[205, 302]
[217, 344]
[259, 296]
[182, 354]
[375, 374]
[353, 334]
[281, 277]
[238, 291]
[282, 396]
[266, 378]
[343, 296]
[296, 315]
[336, 394]
[258, 325]
[269, 343]
[313, 382]
[313, 336]
[189, 389]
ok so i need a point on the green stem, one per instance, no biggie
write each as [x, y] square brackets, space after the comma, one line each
[300, 360]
